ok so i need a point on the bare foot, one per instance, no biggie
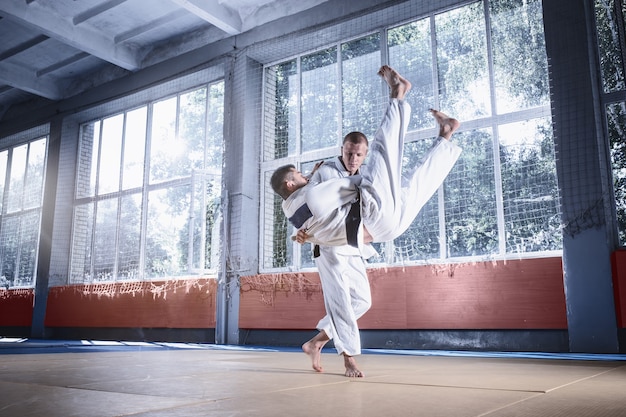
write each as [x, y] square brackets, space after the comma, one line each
[313, 348]
[398, 84]
[447, 125]
[352, 371]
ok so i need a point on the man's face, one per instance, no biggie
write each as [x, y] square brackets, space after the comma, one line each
[353, 155]
[297, 180]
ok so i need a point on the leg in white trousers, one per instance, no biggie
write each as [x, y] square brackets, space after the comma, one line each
[346, 298]
[390, 203]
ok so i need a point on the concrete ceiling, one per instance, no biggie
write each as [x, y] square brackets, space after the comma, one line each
[51, 50]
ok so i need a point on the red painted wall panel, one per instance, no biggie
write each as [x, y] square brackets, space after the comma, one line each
[280, 301]
[520, 294]
[618, 263]
[16, 307]
[168, 304]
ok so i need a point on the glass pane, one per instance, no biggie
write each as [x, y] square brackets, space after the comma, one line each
[462, 63]
[134, 148]
[104, 240]
[129, 238]
[167, 235]
[88, 159]
[29, 245]
[16, 180]
[9, 243]
[191, 132]
[319, 100]
[616, 122]
[529, 186]
[518, 42]
[80, 266]
[306, 250]
[36, 171]
[410, 53]
[610, 42]
[3, 174]
[211, 249]
[278, 248]
[421, 240]
[164, 149]
[215, 132]
[110, 154]
[207, 223]
[361, 87]
[281, 110]
[469, 196]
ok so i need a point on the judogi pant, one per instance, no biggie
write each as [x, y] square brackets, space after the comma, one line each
[346, 297]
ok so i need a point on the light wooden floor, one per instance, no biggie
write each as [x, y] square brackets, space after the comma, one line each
[88, 379]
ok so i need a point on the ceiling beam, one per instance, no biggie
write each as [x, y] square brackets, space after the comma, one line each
[68, 61]
[95, 11]
[42, 20]
[17, 77]
[155, 24]
[213, 12]
[23, 46]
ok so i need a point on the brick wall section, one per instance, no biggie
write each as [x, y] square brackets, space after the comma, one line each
[185, 303]
[520, 294]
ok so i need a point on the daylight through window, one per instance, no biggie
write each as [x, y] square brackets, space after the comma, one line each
[148, 190]
[501, 199]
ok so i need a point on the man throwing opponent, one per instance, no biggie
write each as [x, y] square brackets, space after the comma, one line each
[389, 202]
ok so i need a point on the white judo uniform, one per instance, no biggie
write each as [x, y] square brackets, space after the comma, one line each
[389, 201]
[344, 280]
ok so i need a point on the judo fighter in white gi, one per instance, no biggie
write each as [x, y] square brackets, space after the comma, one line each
[342, 269]
[389, 202]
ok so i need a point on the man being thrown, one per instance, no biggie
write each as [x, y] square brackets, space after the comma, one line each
[389, 202]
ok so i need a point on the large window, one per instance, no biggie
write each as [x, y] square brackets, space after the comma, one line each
[22, 170]
[148, 190]
[611, 23]
[484, 63]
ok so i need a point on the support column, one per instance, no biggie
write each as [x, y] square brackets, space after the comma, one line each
[46, 228]
[583, 173]
[242, 136]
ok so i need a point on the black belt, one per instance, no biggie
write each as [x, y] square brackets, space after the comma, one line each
[353, 221]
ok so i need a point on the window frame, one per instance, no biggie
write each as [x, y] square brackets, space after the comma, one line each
[492, 122]
[148, 186]
[36, 135]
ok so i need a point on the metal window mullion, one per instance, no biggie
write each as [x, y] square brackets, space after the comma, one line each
[262, 200]
[339, 95]
[297, 253]
[497, 168]
[441, 208]
[384, 58]
[118, 223]
[191, 221]
[619, 6]
[19, 215]
[92, 266]
[203, 231]
[144, 194]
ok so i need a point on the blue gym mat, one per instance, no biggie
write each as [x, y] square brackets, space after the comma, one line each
[18, 346]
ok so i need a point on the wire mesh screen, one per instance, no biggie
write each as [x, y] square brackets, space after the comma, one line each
[501, 198]
[148, 191]
[611, 31]
[22, 175]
